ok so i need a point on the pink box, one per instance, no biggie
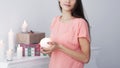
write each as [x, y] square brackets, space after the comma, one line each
[31, 49]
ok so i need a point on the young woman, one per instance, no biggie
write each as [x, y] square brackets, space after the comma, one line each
[70, 46]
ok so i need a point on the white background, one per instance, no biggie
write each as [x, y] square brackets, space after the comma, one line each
[103, 16]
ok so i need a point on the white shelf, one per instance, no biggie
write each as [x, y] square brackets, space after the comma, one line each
[26, 62]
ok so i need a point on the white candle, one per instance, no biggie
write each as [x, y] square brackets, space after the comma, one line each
[9, 54]
[11, 41]
[24, 26]
[19, 51]
[2, 50]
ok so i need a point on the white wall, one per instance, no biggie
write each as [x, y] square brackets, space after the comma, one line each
[103, 17]
[37, 13]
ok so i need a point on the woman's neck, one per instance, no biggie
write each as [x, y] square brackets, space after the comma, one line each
[66, 15]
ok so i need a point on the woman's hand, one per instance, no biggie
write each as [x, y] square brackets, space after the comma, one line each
[53, 46]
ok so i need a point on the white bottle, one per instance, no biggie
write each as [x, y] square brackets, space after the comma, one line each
[19, 51]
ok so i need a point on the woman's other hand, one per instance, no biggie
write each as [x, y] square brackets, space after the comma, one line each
[48, 50]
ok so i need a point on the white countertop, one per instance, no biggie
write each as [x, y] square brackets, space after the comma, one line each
[26, 62]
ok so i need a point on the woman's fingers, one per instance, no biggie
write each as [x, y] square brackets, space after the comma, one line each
[52, 43]
[52, 47]
[45, 51]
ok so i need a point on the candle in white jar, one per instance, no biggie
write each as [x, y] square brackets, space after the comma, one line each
[9, 55]
[24, 26]
[11, 41]
[2, 50]
[44, 42]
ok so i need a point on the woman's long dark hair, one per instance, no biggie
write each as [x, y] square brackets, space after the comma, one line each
[78, 11]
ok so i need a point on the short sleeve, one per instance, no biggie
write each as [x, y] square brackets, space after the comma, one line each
[83, 30]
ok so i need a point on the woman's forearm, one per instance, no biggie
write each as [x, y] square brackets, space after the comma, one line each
[80, 56]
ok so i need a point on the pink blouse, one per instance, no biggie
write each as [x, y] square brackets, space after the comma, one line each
[67, 34]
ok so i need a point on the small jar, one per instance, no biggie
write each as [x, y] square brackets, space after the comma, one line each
[9, 55]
